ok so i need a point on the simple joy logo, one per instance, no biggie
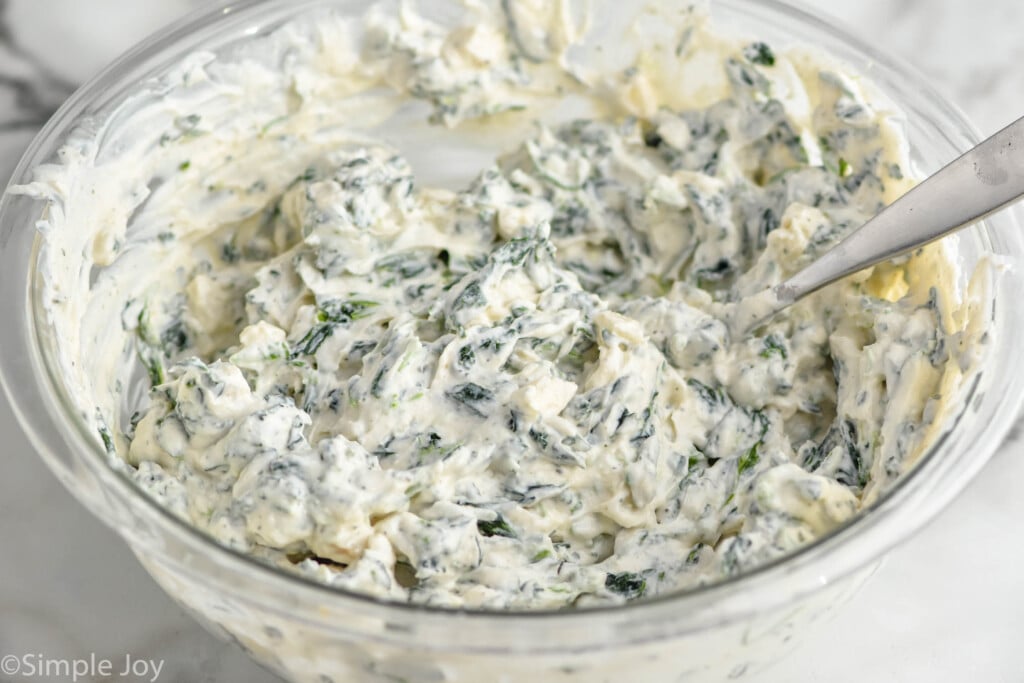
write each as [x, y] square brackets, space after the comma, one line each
[38, 665]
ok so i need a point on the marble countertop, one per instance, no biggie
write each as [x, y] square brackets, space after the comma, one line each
[947, 606]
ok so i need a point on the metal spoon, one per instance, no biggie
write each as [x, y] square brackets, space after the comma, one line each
[984, 180]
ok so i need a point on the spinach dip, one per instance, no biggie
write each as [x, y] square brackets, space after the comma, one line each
[516, 390]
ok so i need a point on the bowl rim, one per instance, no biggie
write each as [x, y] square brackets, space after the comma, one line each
[804, 558]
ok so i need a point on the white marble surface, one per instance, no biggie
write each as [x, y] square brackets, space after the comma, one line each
[947, 606]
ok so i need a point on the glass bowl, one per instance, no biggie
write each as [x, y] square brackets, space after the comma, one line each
[308, 632]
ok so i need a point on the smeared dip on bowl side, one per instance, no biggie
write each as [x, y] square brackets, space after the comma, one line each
[519, 393]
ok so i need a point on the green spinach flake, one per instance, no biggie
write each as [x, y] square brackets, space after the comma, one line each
[472, 396]
[749, 460]
[466, 357]
[313, 339]
[774, 346]
[710, 395]
[345, 311]
[759, 53]
[174, 338]
[628, 584]
[470, 297]
[108, 440]
[496, 527]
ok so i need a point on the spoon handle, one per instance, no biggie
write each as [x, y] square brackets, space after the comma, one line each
[980, 182]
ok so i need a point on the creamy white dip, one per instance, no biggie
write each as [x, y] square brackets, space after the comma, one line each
[516, 391]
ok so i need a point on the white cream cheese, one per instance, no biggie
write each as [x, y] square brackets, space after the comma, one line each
[516, 392]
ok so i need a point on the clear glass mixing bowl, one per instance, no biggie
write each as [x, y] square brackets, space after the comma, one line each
[308, 632]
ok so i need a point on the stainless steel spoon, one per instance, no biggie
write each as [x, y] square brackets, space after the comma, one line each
[982, 181]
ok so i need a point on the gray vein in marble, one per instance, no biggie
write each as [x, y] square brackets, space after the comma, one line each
[35, 90]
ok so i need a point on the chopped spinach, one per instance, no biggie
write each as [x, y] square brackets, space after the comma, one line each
[627, 584]
[406, 264]
[774, 346]
[471, 396]
[711, 396]
[154, 367]
[853, 470]
[496, 527]
[313, 339]
[345, 311]
[760, 53]
[174, 338]
[749, 460]
[466, 357]
[472, 296]
[106, 438]
[539, 437]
